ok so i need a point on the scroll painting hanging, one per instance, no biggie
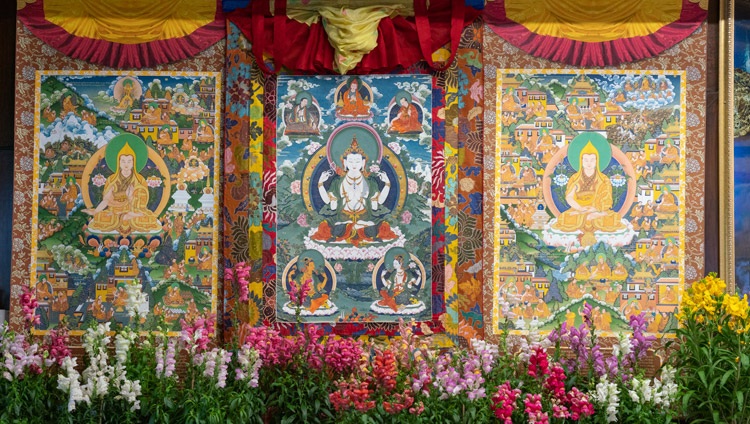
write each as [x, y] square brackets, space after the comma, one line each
[590, 205]
[354, 192]
[125, 196]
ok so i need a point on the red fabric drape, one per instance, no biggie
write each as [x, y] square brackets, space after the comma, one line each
[305, 49]
[585, 54]
[116, 55]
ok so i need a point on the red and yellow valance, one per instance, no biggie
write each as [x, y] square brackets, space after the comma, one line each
[126, 33]
[345, 39]
[594, 32]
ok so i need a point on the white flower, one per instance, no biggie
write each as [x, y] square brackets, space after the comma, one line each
[123, 341]
[624, 347]
[607, 394]
[395, 147]
[69, 382]
[560, 180]
[135, 298]
[312, 147]
[618, 180]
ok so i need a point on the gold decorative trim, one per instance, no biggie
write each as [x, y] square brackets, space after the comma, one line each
[726, 143]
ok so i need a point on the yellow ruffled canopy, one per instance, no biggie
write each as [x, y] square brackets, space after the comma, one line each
[593, 20]
[124, 21]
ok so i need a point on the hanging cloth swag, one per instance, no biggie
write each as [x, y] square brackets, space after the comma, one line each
[126, 33]
[357, 36]
[595, 32]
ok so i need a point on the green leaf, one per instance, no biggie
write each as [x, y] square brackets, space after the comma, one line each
[740, 400]
[726, 377]
[702, 375]
[745, 359]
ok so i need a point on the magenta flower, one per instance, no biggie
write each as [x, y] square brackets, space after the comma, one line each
[302, 220]
[533, 408]
[57, 345]
[504, 402]
[273, 349]
[28, 305]
[243, 280]
[538, 363]
[343, 356]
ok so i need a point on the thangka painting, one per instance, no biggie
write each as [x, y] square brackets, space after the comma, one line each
[590, 176]
[125, 196]
[354, 187]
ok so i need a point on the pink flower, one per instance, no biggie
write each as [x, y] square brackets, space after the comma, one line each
[29, 305]
[395, 147]
[199, 333]
[374, 168]
[298, 293]
[302, 220]
[243, 280]
[273, 349]
[338, 267]
[153, 181]
[99, 180]
[406, 217]
[57, 345]
[412, 186]
[538, 363]
[296, 187]
[580, 406]
[555, 383]
[533, 408]
[343, 356]
[504, 402]
[370, 267]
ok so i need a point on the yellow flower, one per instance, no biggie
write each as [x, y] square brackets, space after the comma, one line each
[735, 306]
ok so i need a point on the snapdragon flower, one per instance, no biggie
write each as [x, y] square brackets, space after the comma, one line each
[69, 381]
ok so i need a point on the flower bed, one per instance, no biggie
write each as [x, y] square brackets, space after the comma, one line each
[308, 377]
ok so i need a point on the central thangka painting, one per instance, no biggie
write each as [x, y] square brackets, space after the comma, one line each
[589, 189]
[354, 186]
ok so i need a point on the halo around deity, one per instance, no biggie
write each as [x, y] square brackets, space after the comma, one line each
[311, 256]
[118, 89]
[341, 139]
[597, 140]
[303, 95]
[142, 155]
[393, 253]
[125, 141]
[401, 94]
